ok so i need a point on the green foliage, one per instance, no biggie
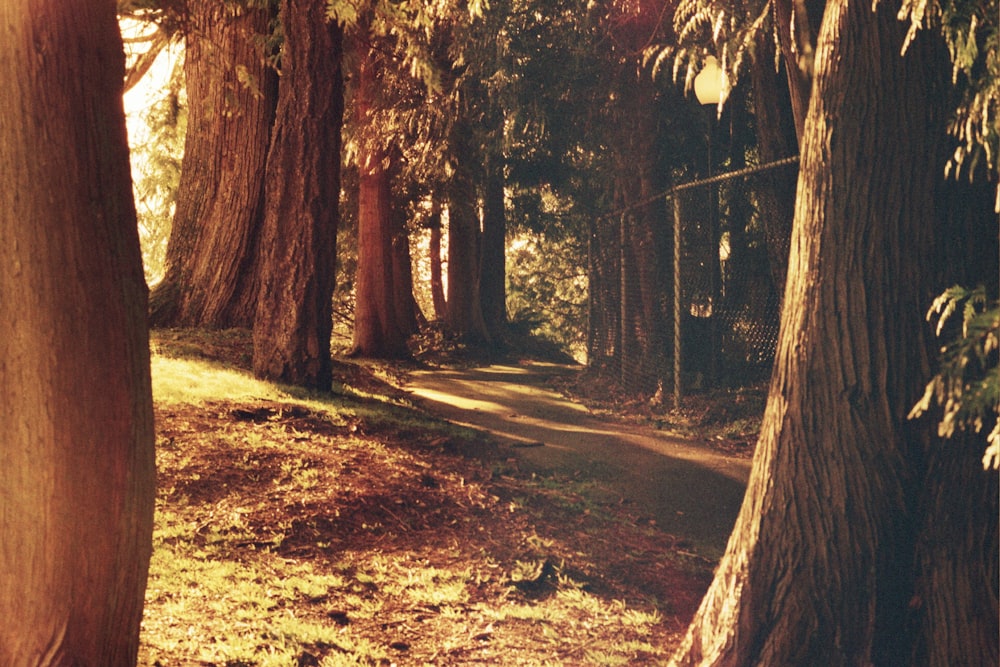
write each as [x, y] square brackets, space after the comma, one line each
[970, 29]
[547, 290]
[415, 101]
[157, 148]
[711, 27]
[967, 386]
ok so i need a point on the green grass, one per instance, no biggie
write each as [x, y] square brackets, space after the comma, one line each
[190, 381]
[187, 381]
[219, 609]
[223, 592]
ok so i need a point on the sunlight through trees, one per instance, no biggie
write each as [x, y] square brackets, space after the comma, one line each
[534, 177]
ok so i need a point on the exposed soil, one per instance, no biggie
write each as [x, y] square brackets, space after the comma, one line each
[276, 485]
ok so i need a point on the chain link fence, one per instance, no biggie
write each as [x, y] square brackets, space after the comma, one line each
[699, 273]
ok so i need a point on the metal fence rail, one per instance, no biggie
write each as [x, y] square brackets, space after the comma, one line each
[720, 283]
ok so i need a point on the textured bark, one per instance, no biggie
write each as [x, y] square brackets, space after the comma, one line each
[211, 269]
[381, 324]
[77, 474]
[291, 333]
[841, 511]
[956, 553]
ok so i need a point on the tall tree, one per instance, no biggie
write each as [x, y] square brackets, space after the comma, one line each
[645, 239]
[211, 262]
[291, 332]
[481, 86]
[76, 441]
[396, 129]
[863, 539]
[636, 139]
[465, 313]
[774, 115]
[383, 320]
[434, 250]
[492, 259]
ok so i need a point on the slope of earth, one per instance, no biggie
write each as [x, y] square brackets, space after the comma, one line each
[353, 529]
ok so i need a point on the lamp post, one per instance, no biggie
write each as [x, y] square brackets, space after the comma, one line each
[708, 86]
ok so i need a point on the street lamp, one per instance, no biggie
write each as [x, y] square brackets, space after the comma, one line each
[708, 87]
[709, 82]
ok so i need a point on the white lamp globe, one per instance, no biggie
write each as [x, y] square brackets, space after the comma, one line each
[708, 84]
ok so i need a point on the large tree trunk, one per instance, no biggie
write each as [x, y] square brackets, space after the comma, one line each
[77, 473]
[379, 330]
[839, 512]
[211, 269]
[291, 334]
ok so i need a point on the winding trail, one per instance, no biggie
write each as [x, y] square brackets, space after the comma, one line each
[689, 489]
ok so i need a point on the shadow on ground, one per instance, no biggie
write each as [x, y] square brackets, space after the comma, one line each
[687, 488]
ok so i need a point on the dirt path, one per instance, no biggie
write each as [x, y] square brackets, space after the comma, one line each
[689, 489]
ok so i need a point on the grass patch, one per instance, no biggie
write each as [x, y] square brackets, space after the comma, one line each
[351, 529]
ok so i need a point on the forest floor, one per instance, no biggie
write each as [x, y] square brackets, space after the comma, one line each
[355, 528]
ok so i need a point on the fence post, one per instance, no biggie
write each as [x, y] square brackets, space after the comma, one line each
[677, 301]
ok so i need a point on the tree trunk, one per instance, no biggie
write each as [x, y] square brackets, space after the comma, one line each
[294, 319]
[956, 592]
[493, 270]
[777, 140]
[407, 311]
[465, 315]
[211, 269]
[382, 319]
[644, 241]
[797, 23]
[378, 329]
[77, 475]
[437, 282]
[838, 517]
